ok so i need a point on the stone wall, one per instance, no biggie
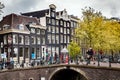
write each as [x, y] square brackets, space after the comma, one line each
[43, 73]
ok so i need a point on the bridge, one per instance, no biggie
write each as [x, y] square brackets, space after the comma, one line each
[62, 72]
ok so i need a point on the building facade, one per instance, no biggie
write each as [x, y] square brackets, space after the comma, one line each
[36, 34]
[22, 38]
[60, 27]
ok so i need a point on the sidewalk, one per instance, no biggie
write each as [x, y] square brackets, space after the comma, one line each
[103, 64]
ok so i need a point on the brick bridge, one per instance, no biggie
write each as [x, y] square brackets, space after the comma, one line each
[62, 72]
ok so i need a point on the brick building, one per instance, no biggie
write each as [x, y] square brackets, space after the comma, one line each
[36, 34]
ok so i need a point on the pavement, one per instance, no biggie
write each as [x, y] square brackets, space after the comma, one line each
[102, 64]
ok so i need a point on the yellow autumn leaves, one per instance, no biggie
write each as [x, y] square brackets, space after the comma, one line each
[98, 32]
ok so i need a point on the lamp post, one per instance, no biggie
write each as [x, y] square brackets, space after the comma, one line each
[98, 59]
[110, 59]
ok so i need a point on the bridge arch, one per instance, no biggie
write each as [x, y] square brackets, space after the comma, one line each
[68, 73]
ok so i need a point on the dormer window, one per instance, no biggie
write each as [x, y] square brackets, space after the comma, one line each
[5, 27]
[32, 30]
[21, 26]
[53, 14]
[38, 31]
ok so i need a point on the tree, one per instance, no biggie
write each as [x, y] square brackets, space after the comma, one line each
[112, 39]
[1, 7]
[98, 32]
[90, 26]
[74, 49]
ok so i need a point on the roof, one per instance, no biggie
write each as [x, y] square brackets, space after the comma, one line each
[37, 14]
[74, 17]
[14, 20]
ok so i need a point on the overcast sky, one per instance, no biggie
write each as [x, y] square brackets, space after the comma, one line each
[109, 8]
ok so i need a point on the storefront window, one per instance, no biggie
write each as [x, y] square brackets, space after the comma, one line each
[15, 52]
[38, 52]
[21, 52]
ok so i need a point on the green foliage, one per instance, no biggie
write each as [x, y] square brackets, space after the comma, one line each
[73, 49]
[97, 32]
[88, 26]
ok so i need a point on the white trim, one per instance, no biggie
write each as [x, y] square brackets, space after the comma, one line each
[14, 30]
[37, 26]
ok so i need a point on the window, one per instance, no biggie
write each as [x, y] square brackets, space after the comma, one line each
[57, 49]
[53, 14]
[53, 21]
[33, 40]
[68, 25]
[64, 24]
[26, 52]
[48, 21]
[27, 40]
[53, 29]
[61, 22]
[57, 30]
[9, 38]
[68, 31]
[64, 30]
[15, 39]
[68, 39]
[38, 31]
[64, 39]
[57, 22]
[32, 30]
[15, 49]
[49, 28]
[72, 24]
[72, 31]
[38, 40]
[5, 39]
[21, 39]
[21, 26]
[43, 41]
[49, 39]
[38, 52]
[53, 38]
[57, 39]
[43, 32]
[61, 38]
[61, 30]
[21, 52]
[5, 27]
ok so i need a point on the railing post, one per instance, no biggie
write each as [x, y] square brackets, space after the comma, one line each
[110, 61]
[98, 59]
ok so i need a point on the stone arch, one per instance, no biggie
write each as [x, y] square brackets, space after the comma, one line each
[82, 73]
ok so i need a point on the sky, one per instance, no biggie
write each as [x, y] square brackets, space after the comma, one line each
[109, 8]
